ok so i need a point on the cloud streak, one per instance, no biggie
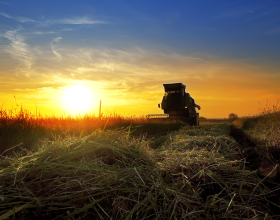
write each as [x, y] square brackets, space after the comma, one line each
[18, 18]
[44, 32]
[19, 50]
[78, 20]
[54, 48]
[84, 20]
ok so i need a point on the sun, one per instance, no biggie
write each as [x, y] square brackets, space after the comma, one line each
[77, 99]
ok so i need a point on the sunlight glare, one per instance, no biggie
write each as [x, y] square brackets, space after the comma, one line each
[77, 99]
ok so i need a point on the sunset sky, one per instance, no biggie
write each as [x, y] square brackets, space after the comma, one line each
[227, 53]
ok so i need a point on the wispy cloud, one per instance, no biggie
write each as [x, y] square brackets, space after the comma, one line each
[19, 50]
[18, 18]
[46, 22]
[54, 48]
[235, 13]
[57, 39]
[78, 20]
[44, 32]
[5, 15]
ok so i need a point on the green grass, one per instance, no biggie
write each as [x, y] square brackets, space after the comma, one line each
[192, 173]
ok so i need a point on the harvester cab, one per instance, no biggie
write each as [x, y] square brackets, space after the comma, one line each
[176, 103]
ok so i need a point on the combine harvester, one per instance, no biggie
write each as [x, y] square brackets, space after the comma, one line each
[177, 104]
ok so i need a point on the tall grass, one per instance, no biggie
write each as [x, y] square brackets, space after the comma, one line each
[259, 137]
[25, 129]
[263, 128]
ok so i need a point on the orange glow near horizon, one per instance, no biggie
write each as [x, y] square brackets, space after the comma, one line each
[216, 100]
[135, 87]
[78, 100]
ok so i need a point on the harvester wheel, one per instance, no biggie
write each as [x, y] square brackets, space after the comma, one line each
[195, 121]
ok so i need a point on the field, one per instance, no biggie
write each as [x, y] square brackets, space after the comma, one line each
[131, 168]
[26, 130]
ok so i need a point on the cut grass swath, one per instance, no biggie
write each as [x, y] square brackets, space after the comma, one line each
[196, 174]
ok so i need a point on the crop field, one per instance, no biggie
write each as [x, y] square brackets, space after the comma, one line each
[118, 167]
[26, 130]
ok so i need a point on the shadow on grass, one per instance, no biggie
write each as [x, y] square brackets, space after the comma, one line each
[248, 147]
[256, 154]
[29, 137]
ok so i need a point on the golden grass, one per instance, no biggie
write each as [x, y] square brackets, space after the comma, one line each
[126, 168]
[22, 128]
[193, 173]
[264, 128]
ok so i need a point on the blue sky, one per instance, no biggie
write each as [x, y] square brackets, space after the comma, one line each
[135, 46]
[234, 29]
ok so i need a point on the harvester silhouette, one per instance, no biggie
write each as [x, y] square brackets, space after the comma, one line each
[177, 104]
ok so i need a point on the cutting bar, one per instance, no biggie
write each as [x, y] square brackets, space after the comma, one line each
[151, 116]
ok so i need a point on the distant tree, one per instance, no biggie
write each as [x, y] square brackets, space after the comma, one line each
[202, 119]
[232, 116]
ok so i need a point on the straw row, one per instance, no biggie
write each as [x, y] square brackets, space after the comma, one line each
[195, 173]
